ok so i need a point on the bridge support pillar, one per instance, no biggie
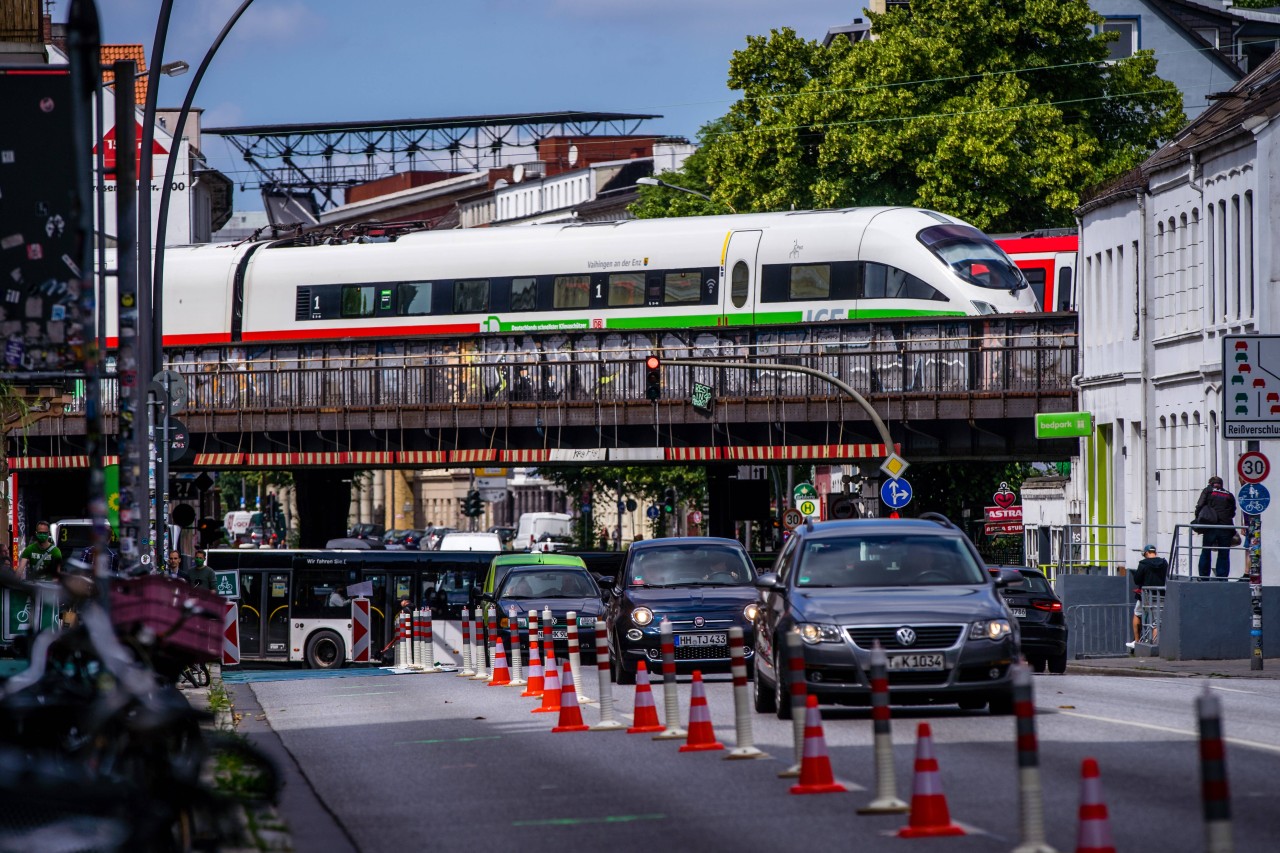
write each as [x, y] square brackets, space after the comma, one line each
[731, 500]
[323, 501]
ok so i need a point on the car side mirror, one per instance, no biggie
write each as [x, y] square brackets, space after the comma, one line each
[769, 582]
[1008, 577]
[606, 584]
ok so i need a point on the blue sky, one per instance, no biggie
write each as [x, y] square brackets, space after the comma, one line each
[290, 61]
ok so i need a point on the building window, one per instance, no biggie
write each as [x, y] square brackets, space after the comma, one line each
[1209, 34]
[1246, 261]
[1126, 41]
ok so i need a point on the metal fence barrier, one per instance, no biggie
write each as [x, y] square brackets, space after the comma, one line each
[1152, 615]
[1184, 554]
[1084, 549]
[1099, 630]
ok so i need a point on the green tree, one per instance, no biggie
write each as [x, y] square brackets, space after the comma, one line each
[609, 484]
[996, 111]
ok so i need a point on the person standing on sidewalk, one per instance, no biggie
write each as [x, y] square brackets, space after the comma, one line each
[1151, 573]
[1216, 506]
[41, 560]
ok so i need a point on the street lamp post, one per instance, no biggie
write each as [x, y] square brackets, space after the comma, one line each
[658, 182]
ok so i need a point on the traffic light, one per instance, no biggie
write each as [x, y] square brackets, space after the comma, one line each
[653, 378]
[471, 506]
[669, 501]
[209, 532]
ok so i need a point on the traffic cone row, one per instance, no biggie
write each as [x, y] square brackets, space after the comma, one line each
[815, 765]
[570, 713]
[930, 816]
[550, 689]
[702, 736]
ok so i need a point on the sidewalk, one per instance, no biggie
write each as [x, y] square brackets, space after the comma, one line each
[1150, 666]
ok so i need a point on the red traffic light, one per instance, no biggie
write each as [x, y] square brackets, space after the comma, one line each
[652, 362]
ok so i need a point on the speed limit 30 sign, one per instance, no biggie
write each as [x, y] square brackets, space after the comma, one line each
[1253, 467]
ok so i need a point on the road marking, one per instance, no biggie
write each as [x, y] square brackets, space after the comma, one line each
[574, 821]
[1233, 690]
[372, 693]
[1248, 744]
[449, 740]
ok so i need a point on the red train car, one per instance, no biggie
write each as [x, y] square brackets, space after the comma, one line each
[1048, 260]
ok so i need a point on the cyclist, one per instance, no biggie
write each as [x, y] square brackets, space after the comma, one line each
[41, 560]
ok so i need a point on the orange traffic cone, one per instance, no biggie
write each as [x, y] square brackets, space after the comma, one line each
[929, 814]
[570, 713]
[815, 764]
[702, 736]
[646, 711]
[535, 686]
[550, 690]
[501, 672]
[1095, 828]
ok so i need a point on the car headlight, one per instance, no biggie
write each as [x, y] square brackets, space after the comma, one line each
[642, 616]
[990, 629]
[751, 610]
[814, 633]
[586, 621]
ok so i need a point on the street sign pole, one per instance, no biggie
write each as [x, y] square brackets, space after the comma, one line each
[1254, 557]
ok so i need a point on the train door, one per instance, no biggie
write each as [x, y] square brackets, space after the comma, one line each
[1064, 297]
[740, 271]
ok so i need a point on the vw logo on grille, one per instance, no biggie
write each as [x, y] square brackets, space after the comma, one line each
[906, 636]
[698, 621]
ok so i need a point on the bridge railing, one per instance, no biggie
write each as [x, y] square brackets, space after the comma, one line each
[990, 356]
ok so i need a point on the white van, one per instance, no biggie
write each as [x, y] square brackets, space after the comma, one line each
[470, 542]
[535, 526]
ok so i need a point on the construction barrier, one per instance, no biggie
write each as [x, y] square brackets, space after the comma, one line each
[501, 674]
[886, 800]
[798, 691]
[930, 816]
[742, 711]
[478, 648]
[1213, 775]
[535, 685]
[605, 681]
[575, 651]
[551, 689]
[1030, 793]
[815, 763]
[492, 639]
[570, 713]
[517, 659]
[670, 699]
[428, 641]
[702, 736]
[419, 651]
[360, 651]
[230, 634]
[646, 715]
[467, 669]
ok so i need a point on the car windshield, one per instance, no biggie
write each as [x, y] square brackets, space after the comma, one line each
[973, 256]
[690, 565]
[1032, 583]
[548, 583]
[887, 559]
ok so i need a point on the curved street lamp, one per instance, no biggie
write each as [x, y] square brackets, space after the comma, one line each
[658, 182]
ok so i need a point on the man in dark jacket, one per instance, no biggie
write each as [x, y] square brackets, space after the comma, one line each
[1216, 506]
[1150, 574]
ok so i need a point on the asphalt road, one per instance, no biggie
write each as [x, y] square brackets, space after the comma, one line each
[410, 761]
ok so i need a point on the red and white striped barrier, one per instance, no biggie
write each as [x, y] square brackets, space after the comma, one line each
[742, 712]
[478, 648]
[535, 685]
[1094, 835]
[360, 651]
[930, 816]
[815, 763]
[517, 659]
[551, 689]
[467, 669]
[492, 635]
[646, 716]
[548, 643]
[575, 651]
[670, 699]
[570, 713]
[798, 691]
[501, 672]
[230, 634]
[419, 652]
[702, 736]
[886, 800]
[605, 680]
[1213, 775]
[1030, 792]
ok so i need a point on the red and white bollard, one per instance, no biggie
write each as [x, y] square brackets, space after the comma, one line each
[1213, 775]
[534, 687]
[886, 800]
[467, 669]
[492, 644]
[548, 643]
[799, 697]
[670, 699]
[517, 660]
[607, 721]
[742, 712]
[575, 653]
[478, 648]
[1030, 792]
[428, 642]
[418, 652]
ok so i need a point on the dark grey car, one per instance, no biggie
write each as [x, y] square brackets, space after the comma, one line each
[917, 586]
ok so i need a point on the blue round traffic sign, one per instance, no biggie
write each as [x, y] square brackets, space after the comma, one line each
[895, 492]
[653, 512]
[1253, 499]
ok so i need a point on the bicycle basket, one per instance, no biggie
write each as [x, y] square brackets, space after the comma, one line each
[156, 602]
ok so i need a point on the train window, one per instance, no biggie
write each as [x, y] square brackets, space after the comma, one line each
[415, 298]
[1064, 291]
[572, 291]
[470, 295]
[741, 274]
[321, 593]
[524, 294]
[1035, 277]
[811, 281]
[682, 287]
[626, 289]
[357, 301]
[973, 256]
[884, 282]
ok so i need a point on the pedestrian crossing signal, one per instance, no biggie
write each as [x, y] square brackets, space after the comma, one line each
[653, 377]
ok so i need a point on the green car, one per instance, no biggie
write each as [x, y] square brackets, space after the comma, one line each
[503, 563]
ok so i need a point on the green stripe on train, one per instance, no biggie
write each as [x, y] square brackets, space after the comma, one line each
[711, 321]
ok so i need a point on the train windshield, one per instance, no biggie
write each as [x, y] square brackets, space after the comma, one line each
[973, 256]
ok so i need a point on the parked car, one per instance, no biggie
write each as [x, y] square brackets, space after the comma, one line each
[390, 539]
[1041, 621]
[702, 585]
[917, 586]
[504, 563]
[412, 540]
[434, 535]
[366, 531]
[469, 542]
[534, 527]
[560, 588]
[506, 534]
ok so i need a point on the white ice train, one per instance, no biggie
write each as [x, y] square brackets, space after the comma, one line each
[657, 274]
